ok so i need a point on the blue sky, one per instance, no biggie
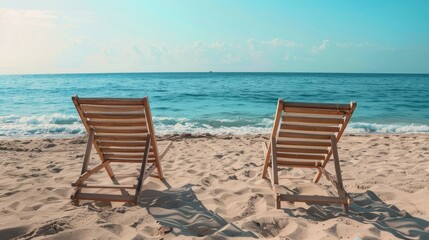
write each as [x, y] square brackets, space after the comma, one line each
[180, 36]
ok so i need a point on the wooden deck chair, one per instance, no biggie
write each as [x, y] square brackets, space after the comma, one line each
[121, 131]
[305, 135]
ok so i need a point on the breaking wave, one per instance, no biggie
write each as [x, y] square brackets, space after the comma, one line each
[46, 125]
[66, 125]
[362, 127]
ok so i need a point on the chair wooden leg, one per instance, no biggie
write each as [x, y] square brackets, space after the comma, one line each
[277, 119]
[87, 152]
[84, 165]
[278, 201]
[274, 162]
[142, 170]
[158, 166]
[275, 173]
[336, 162]
[74, 198]
[317, 177]
[340, 186]
[267, 153]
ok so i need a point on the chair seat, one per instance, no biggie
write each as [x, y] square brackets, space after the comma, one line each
[305, 135]
[121, 131]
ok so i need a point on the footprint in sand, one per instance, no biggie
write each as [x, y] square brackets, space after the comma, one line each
[50, 228]
[249, 173]
[231, 177]
[206, 181]
[7, 194]
[77, 141]
[50, 145]
[36, 150]
[55, 170]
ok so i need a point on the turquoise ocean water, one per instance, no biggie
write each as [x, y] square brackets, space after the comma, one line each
[217, 103]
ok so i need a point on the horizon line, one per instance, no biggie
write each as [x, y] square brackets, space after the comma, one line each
[154, 72]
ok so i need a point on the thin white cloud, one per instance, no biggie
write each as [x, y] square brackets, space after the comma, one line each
[276, 42]
[217, 45]
[22, 17]
[258, 50]
[323, 46]
[286, 57]
[231, 58]
[282, 43]
[366, 45]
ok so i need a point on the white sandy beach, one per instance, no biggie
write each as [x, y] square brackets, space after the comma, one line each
[213, 188]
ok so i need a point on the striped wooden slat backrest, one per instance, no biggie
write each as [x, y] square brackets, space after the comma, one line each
[120, 127]
[305, 130]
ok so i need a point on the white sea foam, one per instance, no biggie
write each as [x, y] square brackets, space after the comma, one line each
[44, 125]
[179, 128]
[62, 124]
[157, 118]
[362, 127]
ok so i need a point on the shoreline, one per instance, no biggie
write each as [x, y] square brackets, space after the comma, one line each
[177, 136]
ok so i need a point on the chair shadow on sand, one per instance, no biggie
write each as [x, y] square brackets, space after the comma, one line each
[180, 209]
[368, 208]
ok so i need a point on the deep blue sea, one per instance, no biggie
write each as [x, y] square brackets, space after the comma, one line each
[217, 103]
